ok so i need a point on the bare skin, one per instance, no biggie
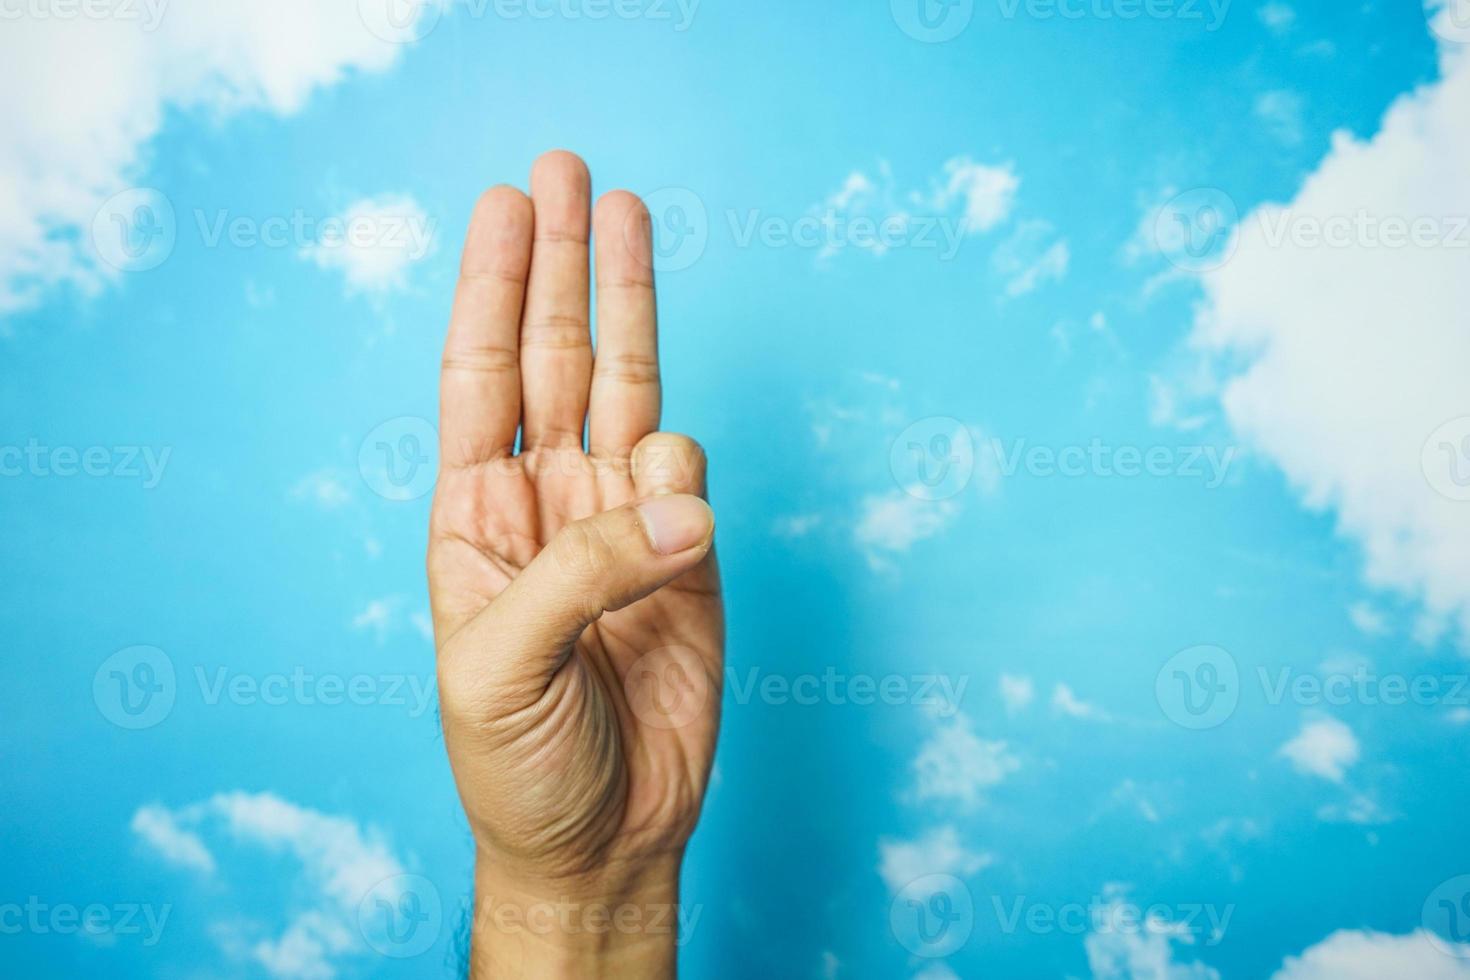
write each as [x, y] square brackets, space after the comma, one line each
[576, 598]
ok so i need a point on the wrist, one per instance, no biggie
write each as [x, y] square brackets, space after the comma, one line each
[619, 921]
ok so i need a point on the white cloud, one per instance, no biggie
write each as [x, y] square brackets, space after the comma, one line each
[797, 525]
[1359, 808]
[1354, 955]
[955, 764]
[936, 971]
[1097, 331]
[1164, 407]
[182, 848]
[1064, 700]
[64, 156]
[1016, 692]
[1281, 113]
[893, 522]
[1029, 257]
[340, 864]
[1367, 619]
[1325, 748]
[1128, 795]
[855, 189]
[378, 616]
[986, 194]
[967, 198]
[1279, 18]
[327, 488]
[389, 614]
[305, 950]
[1124, 949]
[374, 242]
[1355, 353]
[937, 852]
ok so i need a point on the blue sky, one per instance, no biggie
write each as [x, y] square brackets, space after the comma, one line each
[1068, 366]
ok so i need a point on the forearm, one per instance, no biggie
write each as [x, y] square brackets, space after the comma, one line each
[625, 925]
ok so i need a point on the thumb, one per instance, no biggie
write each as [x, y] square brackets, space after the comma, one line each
[591, 567]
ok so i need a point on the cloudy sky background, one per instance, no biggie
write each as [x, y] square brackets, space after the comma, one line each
[1084, 388]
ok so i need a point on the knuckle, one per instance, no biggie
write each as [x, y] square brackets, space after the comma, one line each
[482, 360]
[635, 369]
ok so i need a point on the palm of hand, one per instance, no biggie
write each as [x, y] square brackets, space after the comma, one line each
[600, 750]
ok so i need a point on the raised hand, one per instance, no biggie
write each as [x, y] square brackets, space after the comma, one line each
[576, 600]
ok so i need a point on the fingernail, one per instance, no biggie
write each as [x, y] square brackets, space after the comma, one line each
[677, 523]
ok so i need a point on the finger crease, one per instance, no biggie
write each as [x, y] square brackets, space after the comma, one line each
[493, 276]
[486, 360]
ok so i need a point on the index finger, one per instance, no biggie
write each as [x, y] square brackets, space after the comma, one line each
[480, 382]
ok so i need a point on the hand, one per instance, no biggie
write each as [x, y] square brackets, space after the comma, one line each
[576, 600]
